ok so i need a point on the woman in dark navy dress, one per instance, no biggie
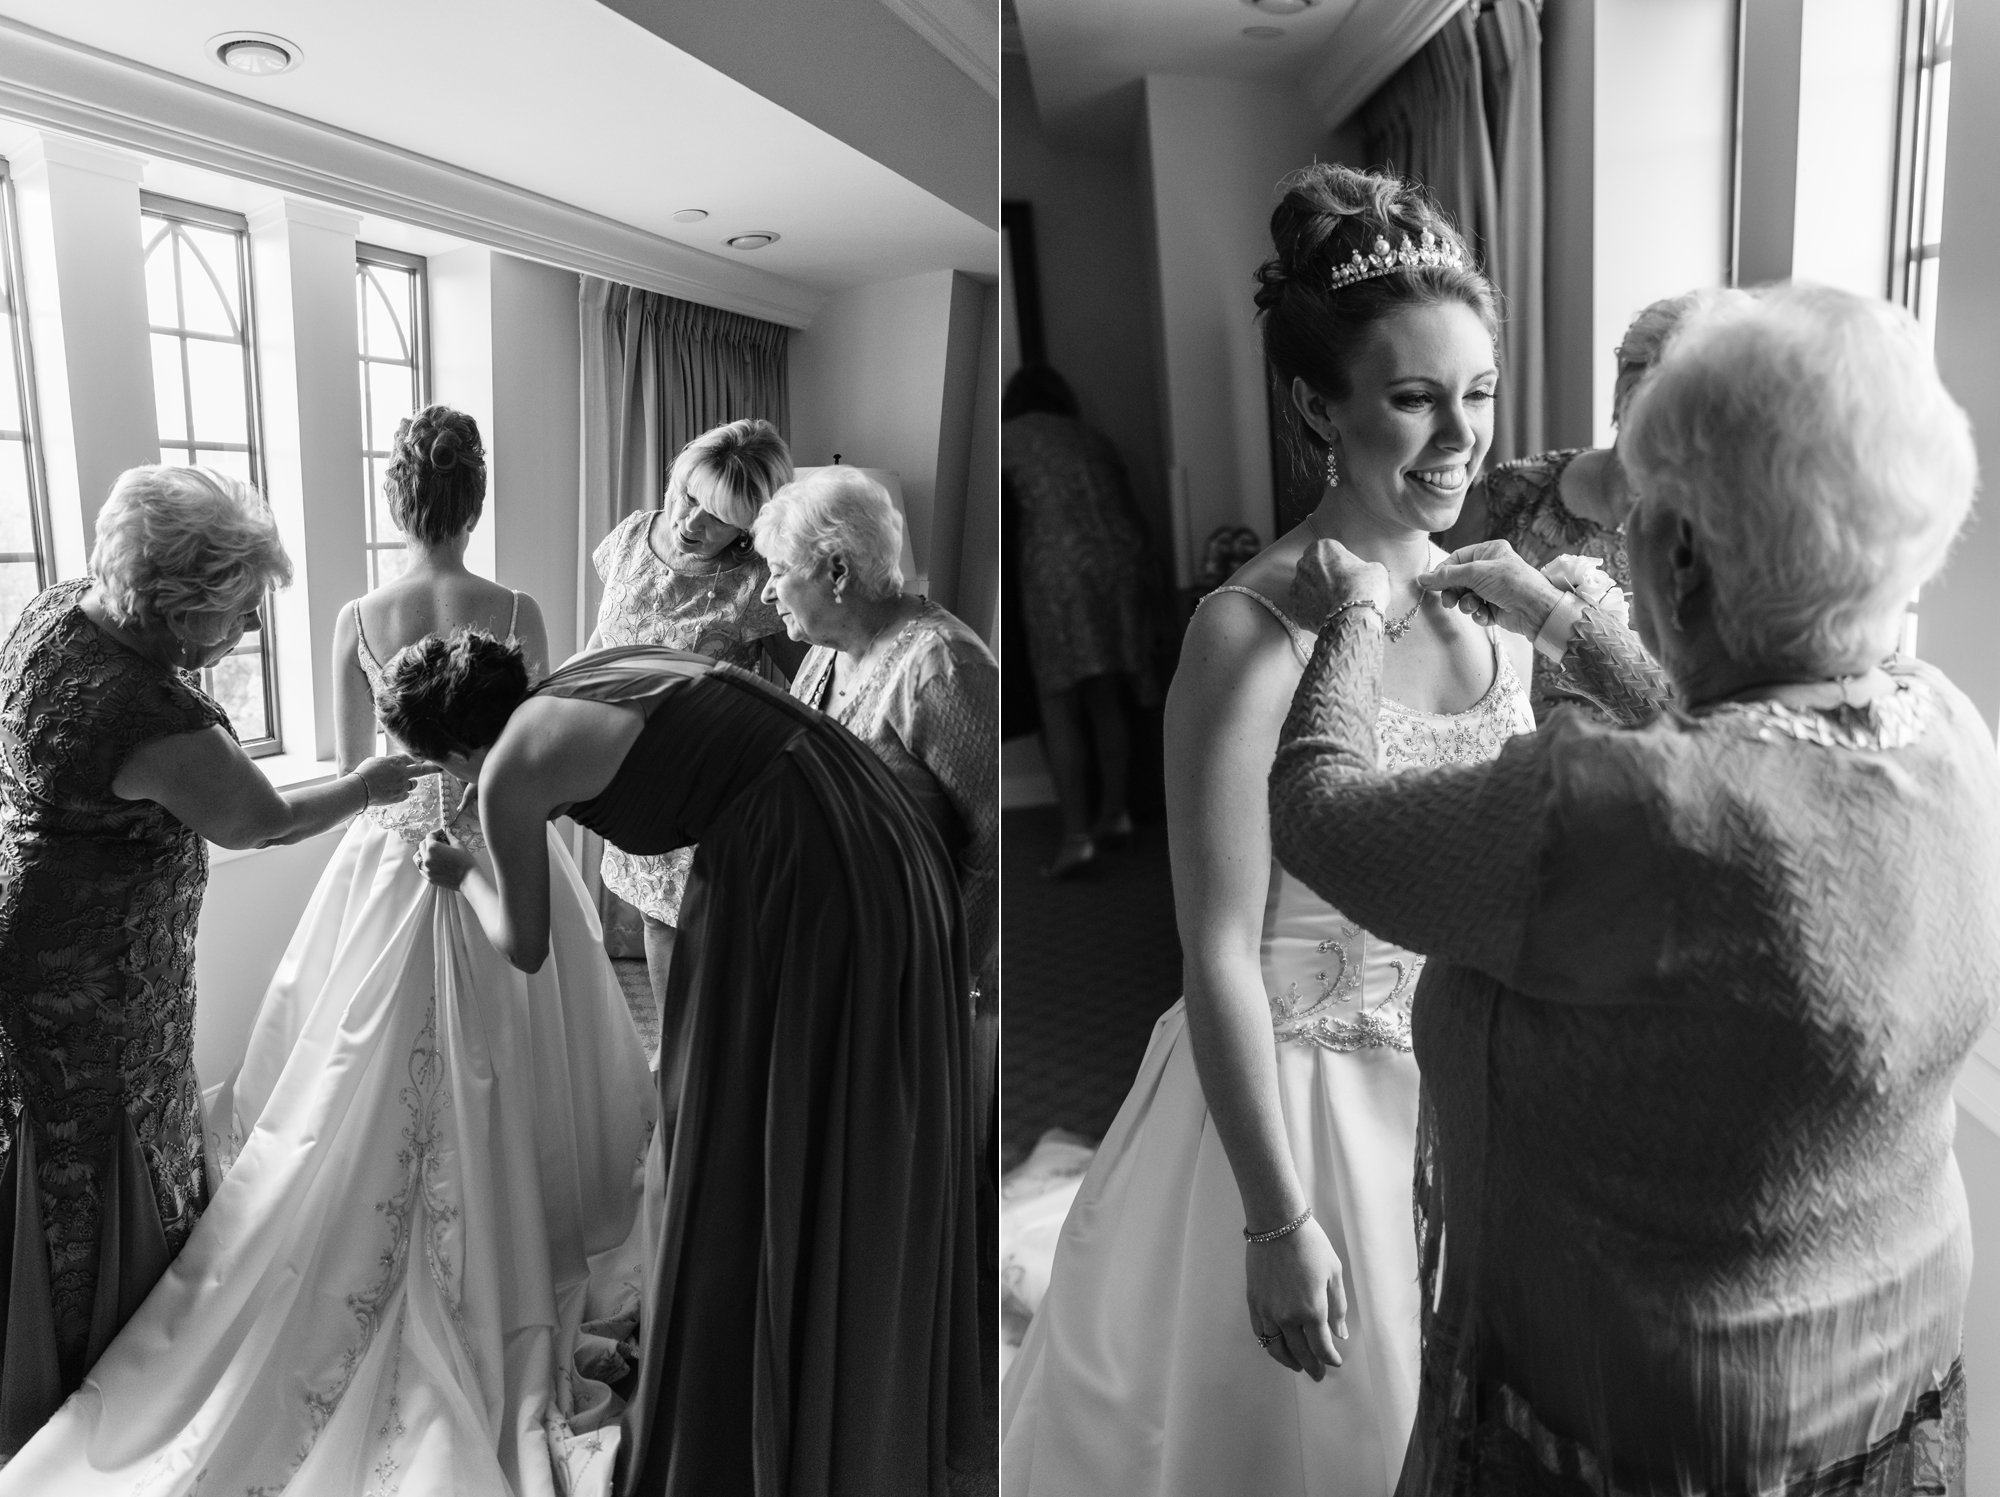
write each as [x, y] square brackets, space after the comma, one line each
[812, 1321]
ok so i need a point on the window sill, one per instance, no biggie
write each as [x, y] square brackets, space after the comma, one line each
[285, 772]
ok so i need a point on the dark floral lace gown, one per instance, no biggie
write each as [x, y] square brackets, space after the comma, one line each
[98, 902]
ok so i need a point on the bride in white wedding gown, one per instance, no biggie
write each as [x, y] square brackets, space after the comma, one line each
[438, 1177]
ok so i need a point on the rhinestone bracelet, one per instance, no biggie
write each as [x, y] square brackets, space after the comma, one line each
[1276, 1232]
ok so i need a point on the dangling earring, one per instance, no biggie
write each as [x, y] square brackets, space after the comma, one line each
[1332, 466]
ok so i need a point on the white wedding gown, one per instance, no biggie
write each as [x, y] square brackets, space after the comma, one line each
[1139, 1374]
[437, 1188]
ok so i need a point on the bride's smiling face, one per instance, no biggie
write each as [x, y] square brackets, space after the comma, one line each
[1415, 425]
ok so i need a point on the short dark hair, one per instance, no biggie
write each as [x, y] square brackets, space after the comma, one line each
[436, 480]
[452, 695]
[1037, 387]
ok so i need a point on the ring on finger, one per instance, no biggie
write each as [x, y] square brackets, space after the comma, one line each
[1265, 1338]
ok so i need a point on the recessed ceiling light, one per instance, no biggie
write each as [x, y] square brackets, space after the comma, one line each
[1279, 7]
[1264, 33]
[256, 54]
[751, 241]
[690, 215]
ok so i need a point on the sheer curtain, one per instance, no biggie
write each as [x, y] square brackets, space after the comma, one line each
[1464, 117]
[657, 373]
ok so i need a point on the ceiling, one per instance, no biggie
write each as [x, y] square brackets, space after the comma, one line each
[571, 100]
[1087, 56]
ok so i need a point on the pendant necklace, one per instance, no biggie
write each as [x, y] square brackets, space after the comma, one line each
[1392, 629]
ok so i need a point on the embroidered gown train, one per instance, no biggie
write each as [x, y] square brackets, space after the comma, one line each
[1139, 1373]
[435, 1191]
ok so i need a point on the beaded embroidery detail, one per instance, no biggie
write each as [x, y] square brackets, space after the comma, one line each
[1324, 1009]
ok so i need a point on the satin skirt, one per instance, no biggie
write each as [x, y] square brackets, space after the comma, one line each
[437, 1189]
[1140, 1374]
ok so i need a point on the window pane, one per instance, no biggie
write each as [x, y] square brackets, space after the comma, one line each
[385, 524]
[238, 683]
[168, 397]
[386, 300]
[162, 309]
[208, 281]
[391, 397]
[18, 585]
[1934, 184]
[235, 464]
[17, 526]
[215, 375]
[390, 563]
[1926, 308]
[10, 396]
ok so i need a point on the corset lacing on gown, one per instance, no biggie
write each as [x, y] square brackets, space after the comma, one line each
[1329, 1002]
[435, 801]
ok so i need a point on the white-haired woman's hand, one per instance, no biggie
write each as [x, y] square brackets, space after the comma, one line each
[1492, 583]
[1329, 575]
[390, 777]
[1585, 576]
[1298, 1298]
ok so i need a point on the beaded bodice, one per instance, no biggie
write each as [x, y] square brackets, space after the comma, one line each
[435, 801]
[1330, 982]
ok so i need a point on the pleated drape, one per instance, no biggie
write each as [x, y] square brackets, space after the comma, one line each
[657, 373]
[1464, 117]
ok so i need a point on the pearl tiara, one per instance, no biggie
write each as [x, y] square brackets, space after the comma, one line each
[1431, 251]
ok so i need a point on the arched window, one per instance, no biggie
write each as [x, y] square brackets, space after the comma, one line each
[205, 389]
[395, 379]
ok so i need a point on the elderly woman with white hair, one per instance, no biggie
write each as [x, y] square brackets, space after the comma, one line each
[1698, 981]
[906, 677]
[116, 770]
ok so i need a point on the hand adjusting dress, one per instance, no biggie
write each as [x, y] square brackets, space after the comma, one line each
[812, 1322]
[1698, 990]
[1139, 1374]
[435, 1193]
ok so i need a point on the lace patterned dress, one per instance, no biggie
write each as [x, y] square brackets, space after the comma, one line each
[417, 1272]
[1524, 508]
[930, 710]
[1699, 986]
[98, 902]
[1139, 1374]
[1085, 553]
[713, 608]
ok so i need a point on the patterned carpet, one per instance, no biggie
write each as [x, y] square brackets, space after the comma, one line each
[1088, 966]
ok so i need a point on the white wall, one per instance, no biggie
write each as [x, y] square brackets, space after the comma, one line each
[1218, 148]
[1662, 175]
[536, 439]
[886, 377]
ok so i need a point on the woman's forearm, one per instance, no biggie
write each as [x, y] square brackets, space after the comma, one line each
[1229, 1026]
[312, 809]
[483, 895]
[1607, 666]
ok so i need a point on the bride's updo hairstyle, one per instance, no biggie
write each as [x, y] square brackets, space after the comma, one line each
[452, 695]
[1329, 214]
[436, 479]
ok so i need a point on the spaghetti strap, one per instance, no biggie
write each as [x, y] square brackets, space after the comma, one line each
[367, 651]
[1302, 639]
[514, 618]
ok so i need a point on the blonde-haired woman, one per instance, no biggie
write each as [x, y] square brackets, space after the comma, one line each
[116, 771]
[686, 576]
